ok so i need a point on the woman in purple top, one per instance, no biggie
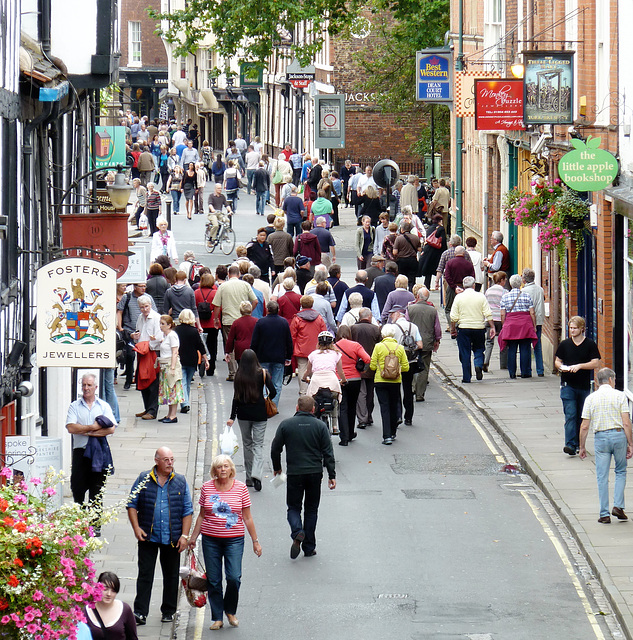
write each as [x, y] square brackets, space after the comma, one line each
[111, 619]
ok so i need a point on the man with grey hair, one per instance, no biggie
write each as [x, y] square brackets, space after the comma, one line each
[424, 315]
[607, 411]
[87, 417]
[260, 284]
[538, 299]
[409, 195]
[147, 331]
[369, 297]
[456, 270]
[499, 259]
[470, 313]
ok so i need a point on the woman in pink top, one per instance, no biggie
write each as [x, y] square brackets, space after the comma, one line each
[351, 352]
[225, 511]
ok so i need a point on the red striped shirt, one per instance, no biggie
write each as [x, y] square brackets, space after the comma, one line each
[223, 509]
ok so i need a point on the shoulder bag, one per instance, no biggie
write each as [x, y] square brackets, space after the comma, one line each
[360, 364]
[271, 407]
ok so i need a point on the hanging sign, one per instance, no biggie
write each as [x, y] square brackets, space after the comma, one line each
[76, 314]
[548, 87]
[300, 77]
[499, 105]
[587, 168]
[465, 90]
[434, 77]
[109, 146]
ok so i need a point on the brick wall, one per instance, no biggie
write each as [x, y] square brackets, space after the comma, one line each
[153, 54]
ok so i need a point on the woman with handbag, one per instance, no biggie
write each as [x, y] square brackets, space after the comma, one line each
[170, 376]
[433, 249]
[225, 513]
[354, 360]
[111, 619]
[232, 177]
[249, 406]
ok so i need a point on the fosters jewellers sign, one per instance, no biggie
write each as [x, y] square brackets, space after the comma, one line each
[76, 314]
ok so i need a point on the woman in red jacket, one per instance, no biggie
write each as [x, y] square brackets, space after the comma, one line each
[351, 353]
[241, 333]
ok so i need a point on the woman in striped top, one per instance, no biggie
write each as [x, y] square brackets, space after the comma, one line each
[225, 513]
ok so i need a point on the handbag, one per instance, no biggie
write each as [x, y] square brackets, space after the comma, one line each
[360, 364]
[277, 177]
[434, 240]
[271, 407]
[194, 582]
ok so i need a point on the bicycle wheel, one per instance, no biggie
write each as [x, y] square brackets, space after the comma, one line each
[227, 241]
[208, 243]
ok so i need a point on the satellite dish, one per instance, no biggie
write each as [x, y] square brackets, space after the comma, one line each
[386, 173]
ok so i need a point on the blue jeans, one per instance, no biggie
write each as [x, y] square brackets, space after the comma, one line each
[276, 370]
[303, 490]
[573, 400]
[214, 550]
[607, 444]
[293, 228]
[538, 352]
[187, 377]
[260, 202]
[470, 340]
[249, 179]
[525, 357]
[108, 393]
[175, 198]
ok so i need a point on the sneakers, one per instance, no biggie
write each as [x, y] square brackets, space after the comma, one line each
[569, 450]
[140, 619]
[167, 617]
[295, 549]
[387, 441]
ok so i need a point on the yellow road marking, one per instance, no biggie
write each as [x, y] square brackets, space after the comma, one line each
[197, 635]
[568, 566]
[484, 436]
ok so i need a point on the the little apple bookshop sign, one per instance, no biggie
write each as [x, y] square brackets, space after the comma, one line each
[587, 168]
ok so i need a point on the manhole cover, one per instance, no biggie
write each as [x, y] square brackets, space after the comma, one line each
[438, 494]
[446, 464]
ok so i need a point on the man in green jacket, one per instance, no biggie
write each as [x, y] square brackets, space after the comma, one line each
[308, 450]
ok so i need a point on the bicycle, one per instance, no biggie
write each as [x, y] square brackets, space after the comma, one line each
[225, 237]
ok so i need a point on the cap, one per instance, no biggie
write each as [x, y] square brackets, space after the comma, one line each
[302, 261]
[397, 308]
[376, 259]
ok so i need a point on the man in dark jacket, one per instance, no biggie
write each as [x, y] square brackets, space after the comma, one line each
[308, 450]
[272, 343]
[259, 252]
[261, 184]
[369, 297]
[456, 270]
[385, 284]
[160, 513]
[338, 286]
[181, 296]
[367, 334]
[376, 269]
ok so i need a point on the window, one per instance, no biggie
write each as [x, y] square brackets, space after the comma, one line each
[209, 65]
[134, 44]
[493, 31]
[183, 67]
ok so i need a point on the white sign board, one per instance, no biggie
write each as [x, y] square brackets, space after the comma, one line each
[137, 264]
[49, 454]
[76, 314]
[19, 455]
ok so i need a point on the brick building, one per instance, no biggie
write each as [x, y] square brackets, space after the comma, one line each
[143, 71]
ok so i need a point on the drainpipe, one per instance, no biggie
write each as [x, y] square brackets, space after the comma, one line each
[459, 135]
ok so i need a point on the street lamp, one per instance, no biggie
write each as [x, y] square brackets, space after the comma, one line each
[119, 191]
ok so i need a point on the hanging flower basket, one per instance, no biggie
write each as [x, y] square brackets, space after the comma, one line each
[529, 208]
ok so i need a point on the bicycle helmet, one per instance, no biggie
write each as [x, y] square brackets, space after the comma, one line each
[325, 337]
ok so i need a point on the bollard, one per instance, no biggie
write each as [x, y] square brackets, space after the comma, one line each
[168, 213]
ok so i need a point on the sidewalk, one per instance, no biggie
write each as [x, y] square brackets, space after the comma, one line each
[528, 414]
[133, 447]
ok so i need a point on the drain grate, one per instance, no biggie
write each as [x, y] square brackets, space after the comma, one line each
[438, 494]
[447, 464]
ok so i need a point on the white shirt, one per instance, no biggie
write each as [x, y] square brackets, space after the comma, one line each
[178, 138]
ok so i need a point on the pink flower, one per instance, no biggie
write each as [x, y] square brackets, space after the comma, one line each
[35, 481]
[6, 472]
[37, 595]
[32, 628]
[5, 619]
[29, 617]
[49, 491]
[19, 498]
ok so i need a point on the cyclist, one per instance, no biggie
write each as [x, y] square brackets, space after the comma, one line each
[217, 200]
[324, 363]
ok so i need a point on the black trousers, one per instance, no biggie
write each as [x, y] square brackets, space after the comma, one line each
[130, 358]
[169, 563]
[150, 398]
[211, 335]
[83, 479]
[407, 394]
[389, 399]
[347, 416]
[304, 490]
[408, 267]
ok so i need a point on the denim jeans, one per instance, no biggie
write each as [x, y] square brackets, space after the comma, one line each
[253, 442]
[187, 377]
[470, 340]
[109, 394]
[276, 370]
[175, 199]
[214, 550]
[260, 202]
[293, 228]
[538, 352]
[573, 400]
[607, 444]
[303, 490]
[249, 180]
[525, 357]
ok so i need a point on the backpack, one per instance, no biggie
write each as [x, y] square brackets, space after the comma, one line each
[391, 365]
[323, 401]
[194, 273]
[204, 309]
[409, 344]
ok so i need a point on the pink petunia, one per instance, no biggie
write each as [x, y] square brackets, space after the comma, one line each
[5, 619]
[37, 595]
[49, 491]
[6, 472]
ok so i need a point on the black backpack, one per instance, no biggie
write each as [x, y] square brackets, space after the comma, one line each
[323, 401]
[204, 309]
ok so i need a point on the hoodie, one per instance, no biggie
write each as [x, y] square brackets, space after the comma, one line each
[179, 297]
[307, 244]
[305, 329]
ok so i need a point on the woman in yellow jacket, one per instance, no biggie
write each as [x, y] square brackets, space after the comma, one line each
[388, 388]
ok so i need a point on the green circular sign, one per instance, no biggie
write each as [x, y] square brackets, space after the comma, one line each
[587, 168]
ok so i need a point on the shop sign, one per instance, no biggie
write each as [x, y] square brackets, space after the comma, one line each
[548, 87]
[300, 77]
[76, 314]
[587, 168]
[434, 81]
[251, 75]
[499, 105]
[465, 90]
[109, 146]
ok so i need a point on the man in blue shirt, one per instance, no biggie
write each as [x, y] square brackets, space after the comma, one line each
[295, 212]
[160, 510]
[82, 424]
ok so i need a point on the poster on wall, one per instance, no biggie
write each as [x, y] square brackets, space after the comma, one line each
[499, 105]
[548, 87]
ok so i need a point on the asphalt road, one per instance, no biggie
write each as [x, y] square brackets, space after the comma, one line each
[423, 539]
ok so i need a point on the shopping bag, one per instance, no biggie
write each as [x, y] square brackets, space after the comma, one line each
[194, 581]
[228, 442]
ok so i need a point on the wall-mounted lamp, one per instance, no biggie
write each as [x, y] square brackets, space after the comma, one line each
[516, 68]
[119, 191]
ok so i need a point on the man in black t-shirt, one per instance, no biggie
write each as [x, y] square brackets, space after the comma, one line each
[576, 358]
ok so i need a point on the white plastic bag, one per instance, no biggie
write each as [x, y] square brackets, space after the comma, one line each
[228, 442]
